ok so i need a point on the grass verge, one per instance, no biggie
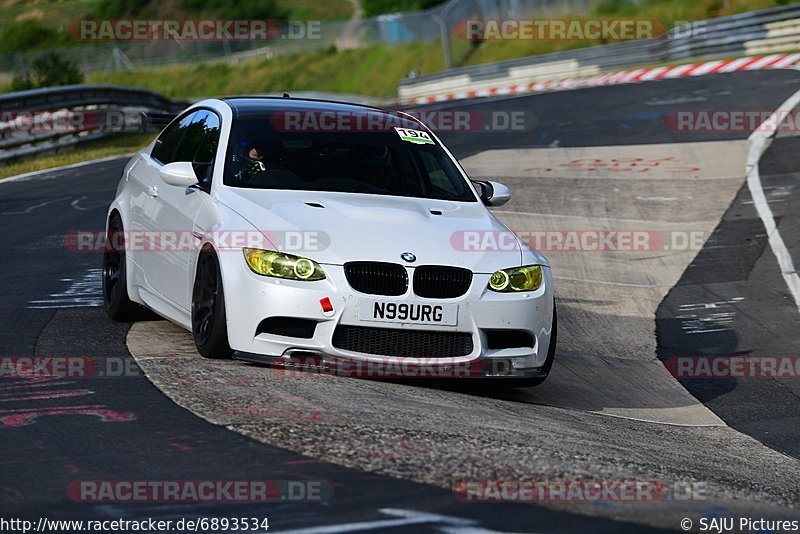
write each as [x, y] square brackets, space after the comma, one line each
[371, 71]
[118, 145]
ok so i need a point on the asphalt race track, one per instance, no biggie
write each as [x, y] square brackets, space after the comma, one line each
[388, 453]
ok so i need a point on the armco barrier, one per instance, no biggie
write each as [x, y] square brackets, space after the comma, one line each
[67, 96]
[16, 143]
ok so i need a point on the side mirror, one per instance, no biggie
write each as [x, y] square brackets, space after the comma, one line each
[493, 193]
[179, 174]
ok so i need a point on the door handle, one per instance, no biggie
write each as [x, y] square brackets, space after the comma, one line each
[152, 190]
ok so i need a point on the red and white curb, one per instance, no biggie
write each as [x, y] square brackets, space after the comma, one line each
[774, 61]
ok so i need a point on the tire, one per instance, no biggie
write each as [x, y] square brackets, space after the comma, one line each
[548, 363]
[118, 305]
[209, 324]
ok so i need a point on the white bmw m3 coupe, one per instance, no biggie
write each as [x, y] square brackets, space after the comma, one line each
[274, 228]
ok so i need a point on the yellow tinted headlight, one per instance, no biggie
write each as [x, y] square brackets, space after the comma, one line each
[279, 265]
[528, 278]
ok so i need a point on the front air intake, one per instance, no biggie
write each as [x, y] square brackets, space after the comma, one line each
[441, 282]
[401, 342]
[377, 278]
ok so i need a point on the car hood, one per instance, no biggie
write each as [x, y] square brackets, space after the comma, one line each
[335, 228]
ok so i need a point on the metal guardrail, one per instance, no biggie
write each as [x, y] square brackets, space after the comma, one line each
[68, 96]
[731, 35]
[20, 140]
[757, 32]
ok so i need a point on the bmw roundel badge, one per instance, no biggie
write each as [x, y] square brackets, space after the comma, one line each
[409, 257]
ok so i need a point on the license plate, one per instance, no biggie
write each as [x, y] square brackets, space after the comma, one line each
[407, 312]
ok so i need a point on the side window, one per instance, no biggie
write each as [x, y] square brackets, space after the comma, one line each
[435, 173]
[192, 137]
[167, 142]
[205, 128]
[208, 148]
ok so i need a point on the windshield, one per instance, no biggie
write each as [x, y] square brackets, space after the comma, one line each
[381, 162]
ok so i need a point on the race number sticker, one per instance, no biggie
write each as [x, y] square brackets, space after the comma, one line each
[414, 136]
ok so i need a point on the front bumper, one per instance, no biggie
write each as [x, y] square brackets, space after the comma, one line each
[485, 315]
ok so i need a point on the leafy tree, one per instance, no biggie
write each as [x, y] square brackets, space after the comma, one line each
[21, 82]
[49, 69]
[229, 9]
[379, 7]
[237, 9]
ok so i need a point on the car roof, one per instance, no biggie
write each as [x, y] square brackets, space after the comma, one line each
[256, 106]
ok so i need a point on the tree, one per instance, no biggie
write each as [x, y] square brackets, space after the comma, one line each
[49, 70]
